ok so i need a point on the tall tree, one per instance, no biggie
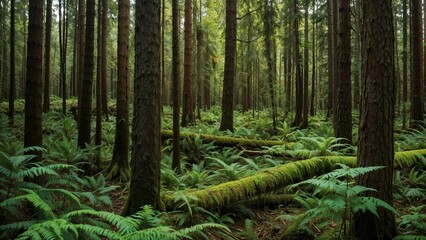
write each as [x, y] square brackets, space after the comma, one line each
[12, 82]
[33, 93]
[98, 89]
[404, 63]
[46, 100]
[104, 92]
[343, 114]
[314, 26]
[63, 40]
[175, 84]
[119, 166]
[306, 68]
[85, 113]
[81, 50]
[330, 57]
[299, 81]
[377, 116]
[357, 54]
[145, 165]
[269, 34]
[417, 104]
[227, 121]
[188, 110]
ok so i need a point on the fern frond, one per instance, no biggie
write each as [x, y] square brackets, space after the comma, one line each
[31, 197]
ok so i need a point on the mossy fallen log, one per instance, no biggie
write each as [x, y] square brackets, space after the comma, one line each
[276, 178]
[224, 140]
[271, 200]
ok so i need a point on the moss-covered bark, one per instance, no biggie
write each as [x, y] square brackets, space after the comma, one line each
[225, 141]
[275, 178]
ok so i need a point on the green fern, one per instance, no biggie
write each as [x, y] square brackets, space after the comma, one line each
[338, 198]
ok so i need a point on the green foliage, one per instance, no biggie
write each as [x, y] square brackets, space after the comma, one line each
[336, 198]
[410, 186]
[413, 223]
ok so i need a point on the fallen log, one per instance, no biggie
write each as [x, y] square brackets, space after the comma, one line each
[276, 178]
[224, 140]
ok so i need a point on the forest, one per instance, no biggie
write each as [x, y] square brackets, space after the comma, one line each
[210, 119]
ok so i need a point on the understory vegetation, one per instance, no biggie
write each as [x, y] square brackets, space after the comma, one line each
[302, 188]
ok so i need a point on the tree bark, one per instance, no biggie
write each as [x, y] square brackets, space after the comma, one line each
[46, 99]
[377, 117]
[404, 63]
[146, 154]
[343, 114]
[33, 93]
[85, 114]
[104, 89]
[299, 81]
[187, 111]
[227, 120]
[417, 107]
[176, 85]
[12, 82]
[119, 166]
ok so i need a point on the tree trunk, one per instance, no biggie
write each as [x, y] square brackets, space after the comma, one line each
[85, 114]
[119, 166]
[12, 82]
[176, 85]
[146, 154]
[306, 69]
[104, 90]
[343, 114]
[314, 26]
[98, 92]
[377, 118]
[188, 111]
[330, 44]
[404, 63]
[417, 56]
[269, 32]
[357, 60]
[227, 121]
[81, 50]
[33, 93]
[299, 81]
[46, 99]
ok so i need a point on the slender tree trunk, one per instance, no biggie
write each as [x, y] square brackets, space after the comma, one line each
[33, 93]
[404, 63]
[163, 70]
[269, 32]
[119, 166]
[312, 105]
[330, 45]
[417, 56]
[81, 50]
[299, 81]
[146, 154]
[377, 118]
[46, 102]
[73, 77]
[306, 69]
[343, 104]
[176, 85]
[357, 60]
[12, 82]
[227, 121]
[99, 72]
[85, 114]
[24, 58]
[104, 89]
[200, 68]
[188, 112]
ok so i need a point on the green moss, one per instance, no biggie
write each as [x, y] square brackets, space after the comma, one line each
[226, 141]
[278, 177]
